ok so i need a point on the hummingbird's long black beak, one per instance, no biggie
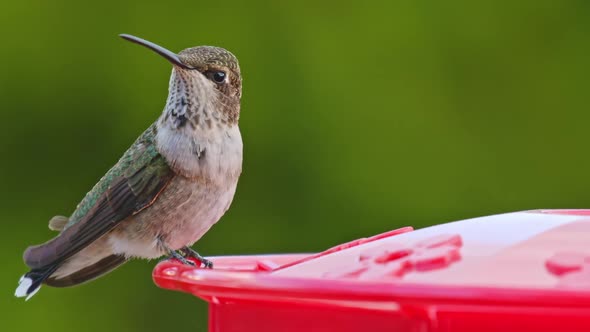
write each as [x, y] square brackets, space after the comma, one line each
[173, 58]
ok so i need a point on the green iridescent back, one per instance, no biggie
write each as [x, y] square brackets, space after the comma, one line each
[142, 152]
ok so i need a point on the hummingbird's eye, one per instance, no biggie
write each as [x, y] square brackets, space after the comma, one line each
[216, 76]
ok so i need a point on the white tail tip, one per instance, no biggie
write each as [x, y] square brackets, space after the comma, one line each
[23, 286]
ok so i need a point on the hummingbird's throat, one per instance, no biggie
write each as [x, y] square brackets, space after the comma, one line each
[193, 103]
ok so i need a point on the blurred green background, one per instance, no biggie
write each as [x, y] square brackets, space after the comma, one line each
[357, 118]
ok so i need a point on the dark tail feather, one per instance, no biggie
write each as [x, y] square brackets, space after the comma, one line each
[88, 273]
[41, 255]
[41, 268]
[30, 283]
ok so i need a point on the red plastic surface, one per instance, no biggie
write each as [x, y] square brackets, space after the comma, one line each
[408, 281]
[572, 212]
[566, 262]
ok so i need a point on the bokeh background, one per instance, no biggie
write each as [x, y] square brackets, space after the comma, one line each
[357, 118]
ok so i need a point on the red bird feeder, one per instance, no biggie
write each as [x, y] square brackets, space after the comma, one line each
[510, 272]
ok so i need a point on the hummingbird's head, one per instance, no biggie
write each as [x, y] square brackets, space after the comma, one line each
[216, 64]
[205, 87]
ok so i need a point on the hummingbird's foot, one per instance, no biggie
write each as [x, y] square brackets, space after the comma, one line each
[173, 254]
[190, 252]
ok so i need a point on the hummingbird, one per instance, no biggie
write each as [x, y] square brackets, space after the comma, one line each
[166, 191]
